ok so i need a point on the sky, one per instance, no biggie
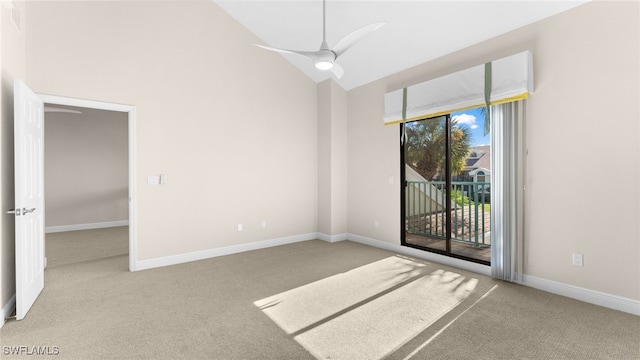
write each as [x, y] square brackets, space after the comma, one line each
[474, 120]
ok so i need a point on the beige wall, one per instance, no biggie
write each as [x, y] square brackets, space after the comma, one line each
[332, 160]
[582, 134]
[339, 146]
[237, 131]
[86, 167]
[324, 157]
[224, 120]
[12, 61]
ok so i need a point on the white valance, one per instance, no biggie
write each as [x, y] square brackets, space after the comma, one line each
[511, 80]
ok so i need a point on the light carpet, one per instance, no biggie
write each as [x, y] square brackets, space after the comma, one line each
[308, 300]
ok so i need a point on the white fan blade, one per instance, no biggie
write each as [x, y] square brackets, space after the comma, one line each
[51, 109]
[337, 70]
[311, 54]
[348, 41]
[284, 51]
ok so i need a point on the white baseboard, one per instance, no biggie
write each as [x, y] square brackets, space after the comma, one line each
[445, 260]
[227, 250]
[332, 238]
[591, 296]
[100, 225]
[594, 297]
[7, 309]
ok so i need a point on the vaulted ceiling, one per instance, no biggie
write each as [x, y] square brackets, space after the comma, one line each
[416, 31]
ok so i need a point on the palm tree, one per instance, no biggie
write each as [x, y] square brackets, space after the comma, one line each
[425, 147]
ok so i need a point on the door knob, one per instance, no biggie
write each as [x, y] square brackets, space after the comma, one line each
[19, 212]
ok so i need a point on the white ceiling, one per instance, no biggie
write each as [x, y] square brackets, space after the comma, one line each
[417, 30]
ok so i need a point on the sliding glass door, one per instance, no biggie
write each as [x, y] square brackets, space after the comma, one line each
[447, 189]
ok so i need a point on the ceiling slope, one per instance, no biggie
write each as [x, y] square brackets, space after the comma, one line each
[416, 32]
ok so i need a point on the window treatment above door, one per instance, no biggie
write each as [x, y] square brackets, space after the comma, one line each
[511, 80]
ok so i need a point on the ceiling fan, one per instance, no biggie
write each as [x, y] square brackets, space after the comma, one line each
[325, 58]
[53, 109]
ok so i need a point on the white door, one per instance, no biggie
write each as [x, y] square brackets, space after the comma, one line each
[29, 189]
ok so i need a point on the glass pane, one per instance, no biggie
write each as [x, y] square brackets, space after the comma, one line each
[426, 191]
[470, 185]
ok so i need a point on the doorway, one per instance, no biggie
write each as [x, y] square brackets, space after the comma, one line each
[446, 199]
[127, 194]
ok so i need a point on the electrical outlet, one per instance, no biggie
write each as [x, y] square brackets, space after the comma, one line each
[239, 227]
[376, 224]
[263, 224]
[578, 260]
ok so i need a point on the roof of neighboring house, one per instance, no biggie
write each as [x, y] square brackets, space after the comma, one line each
[412, 175]
[479, 157]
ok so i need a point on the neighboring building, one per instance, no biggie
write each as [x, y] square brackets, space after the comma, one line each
[478, 164]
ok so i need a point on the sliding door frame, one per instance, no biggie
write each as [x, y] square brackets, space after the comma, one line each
[403, 199]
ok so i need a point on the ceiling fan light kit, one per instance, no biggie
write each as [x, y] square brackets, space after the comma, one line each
[324, 65]
[325, 58]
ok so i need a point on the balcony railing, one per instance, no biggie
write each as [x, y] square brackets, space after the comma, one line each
[470, 211]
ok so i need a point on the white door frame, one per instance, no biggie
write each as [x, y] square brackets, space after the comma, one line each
[131, 111]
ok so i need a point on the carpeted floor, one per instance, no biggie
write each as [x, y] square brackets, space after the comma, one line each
[309, 300]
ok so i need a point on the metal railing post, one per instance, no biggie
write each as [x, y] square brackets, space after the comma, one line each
[475, 201]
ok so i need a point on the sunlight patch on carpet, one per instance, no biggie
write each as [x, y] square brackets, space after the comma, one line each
[304, 306]
[370, 311]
